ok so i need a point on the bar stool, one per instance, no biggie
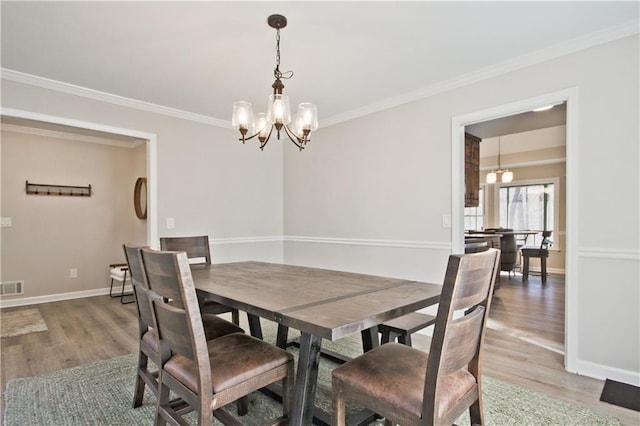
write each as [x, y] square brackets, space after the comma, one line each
[403, 327]
[541, 253]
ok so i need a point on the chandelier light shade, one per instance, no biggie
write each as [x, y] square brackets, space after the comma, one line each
[506, 175]
[278, 115]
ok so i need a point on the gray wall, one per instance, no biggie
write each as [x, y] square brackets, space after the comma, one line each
[372, 195]
[52, 234]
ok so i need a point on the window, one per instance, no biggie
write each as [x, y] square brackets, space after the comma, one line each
[528, 206]
[474, 216]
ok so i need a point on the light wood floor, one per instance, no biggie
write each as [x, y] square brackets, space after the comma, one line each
[524, 342]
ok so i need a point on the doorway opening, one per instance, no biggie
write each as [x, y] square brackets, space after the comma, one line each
[70, 149]
[86, 128]
[492, 116]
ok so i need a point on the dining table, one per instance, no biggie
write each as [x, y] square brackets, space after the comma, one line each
[320, 303]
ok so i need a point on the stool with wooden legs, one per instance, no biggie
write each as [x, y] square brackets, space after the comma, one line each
[541, 253]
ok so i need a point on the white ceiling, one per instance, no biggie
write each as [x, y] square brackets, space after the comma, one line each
[349, 58]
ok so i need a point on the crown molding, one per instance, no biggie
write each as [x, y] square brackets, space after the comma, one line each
[72, 89]
[562, 49]
[552, 52]
[69, 136]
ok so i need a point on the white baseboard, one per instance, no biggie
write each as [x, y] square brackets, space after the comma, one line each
[24, 301]
[602, 372]
[557, 271]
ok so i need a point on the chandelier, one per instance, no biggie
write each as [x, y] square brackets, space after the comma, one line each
[492, 176]
[278, 114]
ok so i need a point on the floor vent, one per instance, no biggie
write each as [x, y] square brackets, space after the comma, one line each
[12, 287]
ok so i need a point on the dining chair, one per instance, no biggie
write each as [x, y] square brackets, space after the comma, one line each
[410, 387]
[541, 253]
[198, 251]
[148, 347]
[207, 375]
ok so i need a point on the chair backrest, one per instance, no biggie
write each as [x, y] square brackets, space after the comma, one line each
[460, 323]
[176, 311]
[197, 248]
[508, 251]
[140, 290]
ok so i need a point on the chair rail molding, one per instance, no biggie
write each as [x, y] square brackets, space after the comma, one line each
[371, 242]
[608, 253]
[245, 240]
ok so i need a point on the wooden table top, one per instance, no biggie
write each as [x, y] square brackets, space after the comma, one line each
[322, 302]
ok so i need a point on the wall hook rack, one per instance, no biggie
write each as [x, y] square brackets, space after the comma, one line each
[66, 190]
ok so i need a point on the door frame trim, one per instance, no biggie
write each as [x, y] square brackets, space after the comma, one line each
[152, 156]
[458, 123]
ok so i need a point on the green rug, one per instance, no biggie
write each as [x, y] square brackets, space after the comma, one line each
[101, 394]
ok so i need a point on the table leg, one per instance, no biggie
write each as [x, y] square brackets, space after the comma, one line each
[254, 326]
[282, 336]
[306, 380]
[369, 338]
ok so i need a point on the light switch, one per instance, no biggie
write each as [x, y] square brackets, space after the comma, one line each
[171, 223]
[5, 222]
[446, 220]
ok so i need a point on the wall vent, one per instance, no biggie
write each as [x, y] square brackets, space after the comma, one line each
[12, 287]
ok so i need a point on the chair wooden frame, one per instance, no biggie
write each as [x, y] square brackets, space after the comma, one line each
[388, 378]
[149, 348]
[198, 247]
[206, 375]
[541, 253]
[124, 269]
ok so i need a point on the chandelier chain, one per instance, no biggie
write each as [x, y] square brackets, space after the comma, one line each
[276, 72]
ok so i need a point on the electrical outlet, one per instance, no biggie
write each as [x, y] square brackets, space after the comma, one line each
[73, 273]
[5, 222]
[171, 223]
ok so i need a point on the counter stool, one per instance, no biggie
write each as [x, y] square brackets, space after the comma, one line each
[403, 327]
[541, 253]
